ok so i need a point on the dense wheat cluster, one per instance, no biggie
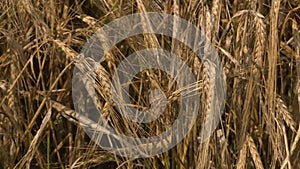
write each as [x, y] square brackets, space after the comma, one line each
[257, 41]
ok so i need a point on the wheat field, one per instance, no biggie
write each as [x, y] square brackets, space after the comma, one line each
[258, 43]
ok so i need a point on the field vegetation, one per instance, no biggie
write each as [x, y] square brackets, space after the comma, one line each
[258, 42]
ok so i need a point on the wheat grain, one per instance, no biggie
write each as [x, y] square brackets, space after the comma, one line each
[254, 153]
[216, 12]
[282, 109]
[241, 164]
[259, 44]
